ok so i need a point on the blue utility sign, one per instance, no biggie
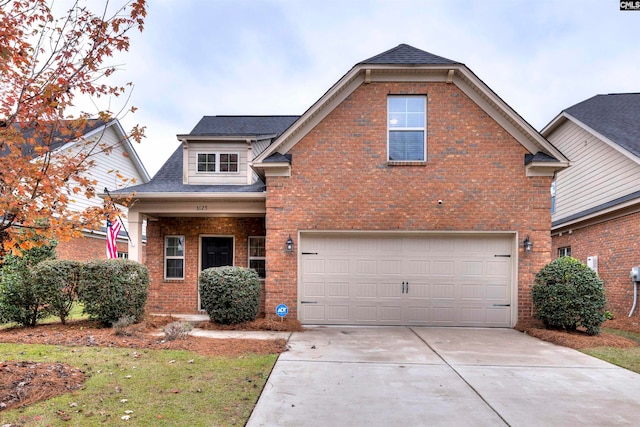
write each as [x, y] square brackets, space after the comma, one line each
[282, 310]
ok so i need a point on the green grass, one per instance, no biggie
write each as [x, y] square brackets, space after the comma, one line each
[161, 387]
[74, 314]
[628, 358]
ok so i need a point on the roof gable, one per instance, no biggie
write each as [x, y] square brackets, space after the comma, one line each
[406, 55]
[406, 63]
[615, 116]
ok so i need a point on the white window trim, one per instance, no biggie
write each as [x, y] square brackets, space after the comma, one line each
[217, 168]
[167, 257]
[564, 249]
[258, 258]
[423, 129]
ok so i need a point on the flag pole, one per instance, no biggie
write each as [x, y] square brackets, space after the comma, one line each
[133, 244]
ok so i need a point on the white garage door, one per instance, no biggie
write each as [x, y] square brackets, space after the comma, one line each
[435, 280]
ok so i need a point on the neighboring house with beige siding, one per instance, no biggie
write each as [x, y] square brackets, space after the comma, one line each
[116, 165]
[596, 202]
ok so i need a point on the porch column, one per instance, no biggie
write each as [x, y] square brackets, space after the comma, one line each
[135, 236]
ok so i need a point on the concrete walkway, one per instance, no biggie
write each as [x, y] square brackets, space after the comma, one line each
[400, 376]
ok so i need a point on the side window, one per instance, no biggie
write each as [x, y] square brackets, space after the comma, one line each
[257, 255]
[553, 196]
[406, 128]
[565, 251]
[174, 257]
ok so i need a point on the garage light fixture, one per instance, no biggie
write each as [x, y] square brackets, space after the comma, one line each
[289, 244]
[528, 245]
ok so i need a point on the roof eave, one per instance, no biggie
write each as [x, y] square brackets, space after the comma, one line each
[262, 195]
[545, 168]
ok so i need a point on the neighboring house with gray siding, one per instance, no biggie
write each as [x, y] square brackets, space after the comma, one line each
[596, 215]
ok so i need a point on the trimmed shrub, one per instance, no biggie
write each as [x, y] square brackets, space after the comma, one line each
[230, 294]
[568, 294]
[114, 288]
[58, 281]
[21, 300]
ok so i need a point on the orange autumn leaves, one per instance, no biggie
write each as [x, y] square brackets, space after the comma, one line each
[47, 61]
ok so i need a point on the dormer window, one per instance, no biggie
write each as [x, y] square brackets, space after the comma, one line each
[218, 162]
[206, 162]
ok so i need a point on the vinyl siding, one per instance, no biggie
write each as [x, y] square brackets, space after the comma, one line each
[105, 170]
[598, 172]
[208, 178]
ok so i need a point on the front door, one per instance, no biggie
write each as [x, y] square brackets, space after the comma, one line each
[216, 252]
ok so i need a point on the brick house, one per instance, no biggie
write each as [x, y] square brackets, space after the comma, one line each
[596, 212]
[402, 196]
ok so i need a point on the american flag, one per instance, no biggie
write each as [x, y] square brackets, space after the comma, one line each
[113, 228]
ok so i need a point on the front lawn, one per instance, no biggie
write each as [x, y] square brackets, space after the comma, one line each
[144, 387]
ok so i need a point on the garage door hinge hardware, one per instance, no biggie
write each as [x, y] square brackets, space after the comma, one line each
[308, 302]
[309, 253]
[502, 256]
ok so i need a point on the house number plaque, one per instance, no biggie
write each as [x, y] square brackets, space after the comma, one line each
[201, 207]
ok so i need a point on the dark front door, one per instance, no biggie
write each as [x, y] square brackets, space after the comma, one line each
[216, 252]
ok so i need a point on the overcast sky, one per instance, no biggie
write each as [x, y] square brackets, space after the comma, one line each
[264, 57]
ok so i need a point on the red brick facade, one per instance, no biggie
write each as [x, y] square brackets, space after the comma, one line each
[341, 181]
[615, 244]
[86, 248]
[181, 296]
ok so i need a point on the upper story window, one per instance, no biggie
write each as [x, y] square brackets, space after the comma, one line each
[218, 162]
[407, 128]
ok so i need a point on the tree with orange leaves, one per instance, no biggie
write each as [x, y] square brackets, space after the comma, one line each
[48, 64]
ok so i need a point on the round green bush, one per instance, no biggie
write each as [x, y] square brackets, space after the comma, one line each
[230, 294]
[58, 279]
[568, 294]
[114, 288]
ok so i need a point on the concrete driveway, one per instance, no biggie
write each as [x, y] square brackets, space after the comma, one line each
[401, 376]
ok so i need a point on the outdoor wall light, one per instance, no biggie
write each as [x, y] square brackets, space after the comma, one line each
[528, 245]
[289, 244]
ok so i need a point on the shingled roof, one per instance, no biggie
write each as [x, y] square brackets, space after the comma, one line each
[615, 116]
[404, 54]
[242, 125]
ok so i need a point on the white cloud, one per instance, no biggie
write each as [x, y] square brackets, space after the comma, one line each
[220, 57]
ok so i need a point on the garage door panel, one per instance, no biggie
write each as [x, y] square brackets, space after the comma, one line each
[390, 290]
[314, 289]
[472, 291]
[450, 280]
[366, 266]
[365, 290]
[338, 290]
[390, 266]
[337, 266]
[313, 266]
